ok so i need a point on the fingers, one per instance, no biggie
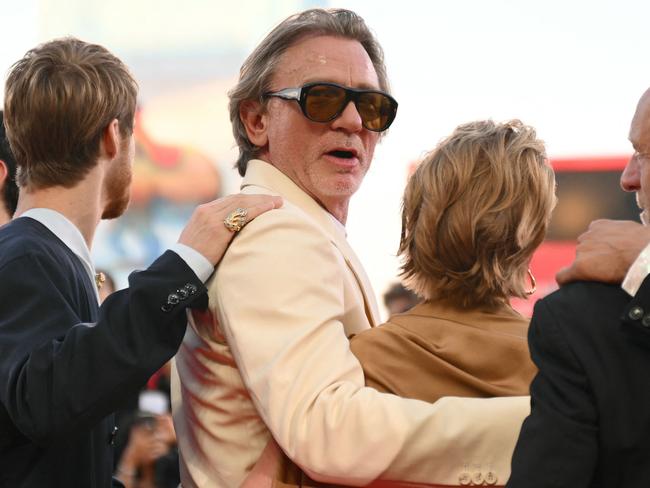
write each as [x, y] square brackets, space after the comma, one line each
[594, 224]
[249, 207]
[265, 205]
[232, 202]
[214, 224]
[565, 275]
[254, 205]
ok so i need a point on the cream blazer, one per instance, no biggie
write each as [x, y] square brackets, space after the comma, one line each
[272, 358]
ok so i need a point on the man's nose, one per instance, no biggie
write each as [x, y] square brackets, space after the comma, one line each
[349, 120]
[630, 178]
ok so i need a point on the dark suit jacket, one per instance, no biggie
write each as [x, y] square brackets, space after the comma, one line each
[590, 419]
[66, 364]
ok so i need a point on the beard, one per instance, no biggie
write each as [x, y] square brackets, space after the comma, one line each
[117, 187]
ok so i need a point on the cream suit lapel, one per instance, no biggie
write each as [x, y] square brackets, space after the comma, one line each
[355, 266]
[262, 174]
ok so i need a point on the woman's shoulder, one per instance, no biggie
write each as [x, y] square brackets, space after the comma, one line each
[396, 329]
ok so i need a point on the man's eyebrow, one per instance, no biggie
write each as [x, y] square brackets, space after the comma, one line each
[368, 86]
[360, 86]
[641, 150]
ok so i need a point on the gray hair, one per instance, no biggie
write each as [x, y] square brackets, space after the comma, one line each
[258, 69]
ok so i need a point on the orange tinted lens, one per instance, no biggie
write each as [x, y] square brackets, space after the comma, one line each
[376, 110]
[324, 102]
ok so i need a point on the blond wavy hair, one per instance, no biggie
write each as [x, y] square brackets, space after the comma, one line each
[473, 213]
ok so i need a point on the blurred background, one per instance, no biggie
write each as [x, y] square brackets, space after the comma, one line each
[574, 70]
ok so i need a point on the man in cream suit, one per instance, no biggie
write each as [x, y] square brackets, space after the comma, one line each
[271, 359]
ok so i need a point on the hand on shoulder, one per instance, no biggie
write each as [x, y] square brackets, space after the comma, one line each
[606, 251]
[206, 231]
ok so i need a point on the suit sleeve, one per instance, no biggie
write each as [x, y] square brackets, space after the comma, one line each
[59, 375]
[279, 298]
[558, 442]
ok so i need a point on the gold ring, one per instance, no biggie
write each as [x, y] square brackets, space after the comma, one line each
[236, 219]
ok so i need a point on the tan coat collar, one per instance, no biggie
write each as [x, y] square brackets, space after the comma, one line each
[503, 319]
[262, 174]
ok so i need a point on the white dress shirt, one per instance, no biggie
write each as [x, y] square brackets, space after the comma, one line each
[71, 236]
[637, 272]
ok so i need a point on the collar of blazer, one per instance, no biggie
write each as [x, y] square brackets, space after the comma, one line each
[262, 174]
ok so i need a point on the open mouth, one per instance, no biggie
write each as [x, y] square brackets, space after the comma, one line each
[342, 154]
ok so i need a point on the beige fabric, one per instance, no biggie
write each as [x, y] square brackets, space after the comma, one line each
[434, 350]
[273, 357]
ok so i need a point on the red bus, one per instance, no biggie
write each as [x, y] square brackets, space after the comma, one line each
[587, 189]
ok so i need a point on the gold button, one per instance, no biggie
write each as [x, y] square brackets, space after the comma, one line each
[477, 478]
[491, 478]
[464, 479]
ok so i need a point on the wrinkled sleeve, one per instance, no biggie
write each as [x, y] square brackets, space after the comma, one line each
[563, 418]
[58, 374]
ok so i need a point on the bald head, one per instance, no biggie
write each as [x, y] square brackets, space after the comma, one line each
[636, 175]
[640, 127]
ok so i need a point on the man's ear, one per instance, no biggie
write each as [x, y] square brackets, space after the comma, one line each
[4, 173]
[255, 119]
[110, 140]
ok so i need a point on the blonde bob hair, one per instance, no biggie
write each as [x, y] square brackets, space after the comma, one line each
[474, 211]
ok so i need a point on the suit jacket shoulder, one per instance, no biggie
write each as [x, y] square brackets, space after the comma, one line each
[585, 428]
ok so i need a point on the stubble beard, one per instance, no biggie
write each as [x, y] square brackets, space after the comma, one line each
[118, 190]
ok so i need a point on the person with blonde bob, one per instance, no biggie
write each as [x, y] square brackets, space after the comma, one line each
[474, 212]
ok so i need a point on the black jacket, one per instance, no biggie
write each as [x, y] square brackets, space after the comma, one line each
[590, 419]
[66, 363]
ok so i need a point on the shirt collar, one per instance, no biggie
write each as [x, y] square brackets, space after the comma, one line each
[69, 234]
[340, 225]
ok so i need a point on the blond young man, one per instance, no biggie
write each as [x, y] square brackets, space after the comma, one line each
[65, 362]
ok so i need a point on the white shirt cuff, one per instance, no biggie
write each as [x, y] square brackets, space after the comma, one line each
[637, 272]
[195, 260]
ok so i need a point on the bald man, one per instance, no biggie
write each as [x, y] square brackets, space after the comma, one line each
[590, 417]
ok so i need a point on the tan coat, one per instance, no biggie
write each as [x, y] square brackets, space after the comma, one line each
[433, 351]
[272, 358]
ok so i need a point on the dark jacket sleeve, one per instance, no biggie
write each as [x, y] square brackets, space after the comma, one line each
[558, 444]
[58, 375]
